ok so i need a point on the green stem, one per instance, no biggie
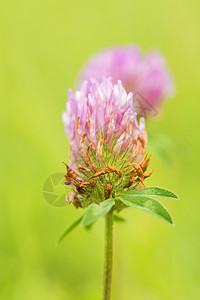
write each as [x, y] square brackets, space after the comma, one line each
[108, 256]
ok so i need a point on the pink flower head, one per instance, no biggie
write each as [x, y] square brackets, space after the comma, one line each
[104, 135]
[101, 111]
[147, 77]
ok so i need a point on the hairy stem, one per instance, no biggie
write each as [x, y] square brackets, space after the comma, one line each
[108, 256]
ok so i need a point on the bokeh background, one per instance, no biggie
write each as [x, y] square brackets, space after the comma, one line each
[43, 46]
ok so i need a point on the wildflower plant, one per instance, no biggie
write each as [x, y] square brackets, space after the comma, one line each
[108, 165]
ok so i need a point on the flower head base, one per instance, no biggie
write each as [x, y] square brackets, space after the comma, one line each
[147, 75]
[107, 142]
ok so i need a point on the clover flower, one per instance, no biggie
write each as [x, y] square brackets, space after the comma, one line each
[147, 77]
[107, 138]
[107, 142]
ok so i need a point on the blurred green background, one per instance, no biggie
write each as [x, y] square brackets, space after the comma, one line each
[43, 46]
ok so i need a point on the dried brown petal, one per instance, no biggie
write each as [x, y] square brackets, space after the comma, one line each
[88, 160]
[145, 163]
[87, 183]
[108, 191]
[146, 175]
[137, 168]
[143, 143]
[71, 174]
[106, 170]
[129, 126]
[83, 138]
[137, 148]
[82, 168]
[131, 180]
[77, 123]
[100, 144]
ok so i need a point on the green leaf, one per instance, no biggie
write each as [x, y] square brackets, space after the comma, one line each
[147, 204]
[69, 229]
[118, 218]
[95, 211]
[154, 191]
